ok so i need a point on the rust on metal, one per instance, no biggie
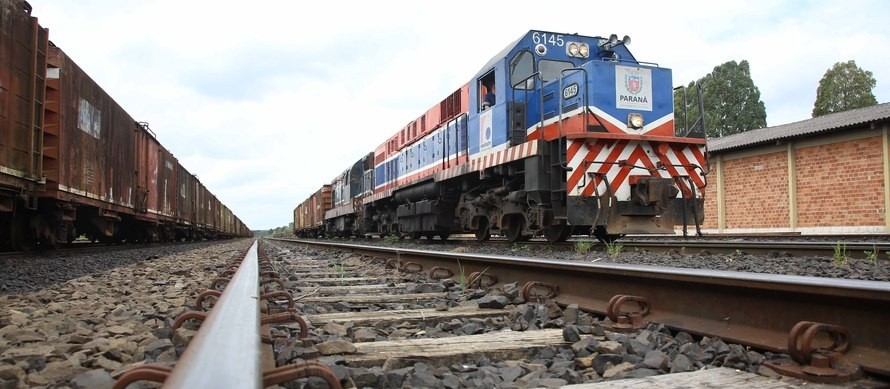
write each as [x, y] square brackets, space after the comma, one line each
[412, 267]
[269, 296]
[378, 260]
[152, 373]
[824, 364]
[536, 291]
[188, 315]
[219, 283]
[482, 279]
[295, 371]
[266, 281]
[440, 273]
[199, 301]
[286, 317]
[627, 320]
[393, 264]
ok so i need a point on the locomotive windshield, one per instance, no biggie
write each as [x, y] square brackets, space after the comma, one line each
[522, 66]
[551, 69]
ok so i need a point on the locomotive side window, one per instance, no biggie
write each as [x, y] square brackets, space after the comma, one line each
[521, 67]
[550, 69]
[487, 91]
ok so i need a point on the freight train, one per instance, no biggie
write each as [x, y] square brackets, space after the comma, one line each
[74, 163]
[557, 134]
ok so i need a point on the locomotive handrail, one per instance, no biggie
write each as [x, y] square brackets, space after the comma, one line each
[610, 59]
[540, 123]
[225, 353]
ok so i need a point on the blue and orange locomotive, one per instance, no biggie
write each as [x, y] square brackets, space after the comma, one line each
[558, 134]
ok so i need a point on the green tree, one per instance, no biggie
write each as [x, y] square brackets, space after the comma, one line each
[731, 102]
[843, 87]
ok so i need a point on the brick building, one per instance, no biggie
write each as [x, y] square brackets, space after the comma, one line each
[826, 175]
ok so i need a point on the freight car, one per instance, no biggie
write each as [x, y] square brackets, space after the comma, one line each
[557, 134]
[309, 215]
[76, 163]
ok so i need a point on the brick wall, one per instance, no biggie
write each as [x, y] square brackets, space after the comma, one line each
[711, 198]
[756, 191]
[841, 184]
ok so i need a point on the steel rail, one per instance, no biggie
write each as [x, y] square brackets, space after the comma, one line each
[857, 250]
[758, 310]
[827, 249]
[225, 353]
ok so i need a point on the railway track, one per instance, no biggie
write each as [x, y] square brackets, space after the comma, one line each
[852, 246]
[384, 317]
[757, 311]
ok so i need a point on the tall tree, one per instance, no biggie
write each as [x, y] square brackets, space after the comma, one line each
[731, 101]
[843, 87]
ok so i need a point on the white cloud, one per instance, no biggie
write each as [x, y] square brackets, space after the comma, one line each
[267, 101]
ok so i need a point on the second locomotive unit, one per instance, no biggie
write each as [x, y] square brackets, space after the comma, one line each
[558, 134]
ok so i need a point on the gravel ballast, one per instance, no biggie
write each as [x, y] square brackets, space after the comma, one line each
[80, 320]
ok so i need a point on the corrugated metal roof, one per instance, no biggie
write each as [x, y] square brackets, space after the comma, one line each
[835, 121]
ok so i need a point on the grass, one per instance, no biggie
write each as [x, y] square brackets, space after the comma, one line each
[466, 281]
[614, 248]
[341, 270]
[840, 253]
[391, 239]
[583, 247]
[872, 256]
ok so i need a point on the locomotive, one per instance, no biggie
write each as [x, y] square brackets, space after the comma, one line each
[557, 134]
[74, 163]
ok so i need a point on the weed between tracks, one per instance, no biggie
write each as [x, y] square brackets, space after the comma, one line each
[872, 256]
[614, 248]
[840, 254]
[583, 247]
[466, 281]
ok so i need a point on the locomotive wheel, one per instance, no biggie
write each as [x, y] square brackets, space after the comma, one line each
[557, 233]
[514, 229]
[415, 235]
[430, 236]
[483, 233]
[444, 236]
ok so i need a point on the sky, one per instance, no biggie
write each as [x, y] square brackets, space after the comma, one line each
[267, 101]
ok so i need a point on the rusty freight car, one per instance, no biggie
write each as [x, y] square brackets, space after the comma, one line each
[90, 182]
[73, 162]
[309, 215]
[23, 45]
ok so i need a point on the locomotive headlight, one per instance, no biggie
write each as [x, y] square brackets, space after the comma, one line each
[584, 50]
[572, 49]
[635, 120]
